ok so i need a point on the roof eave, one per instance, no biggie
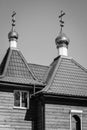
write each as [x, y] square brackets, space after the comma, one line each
[52, 95]
[21, 84]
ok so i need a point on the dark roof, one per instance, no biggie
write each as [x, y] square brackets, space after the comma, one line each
[66, 77]
[40, 71]
[14, 68]
[63, 77]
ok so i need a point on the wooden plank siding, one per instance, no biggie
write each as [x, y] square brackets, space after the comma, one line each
[11, 118]
[57, 117]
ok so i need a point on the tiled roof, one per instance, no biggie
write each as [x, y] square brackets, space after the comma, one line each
[66, 77]
[20, 80]
[63, 77]
[14, 68]
[40, 71]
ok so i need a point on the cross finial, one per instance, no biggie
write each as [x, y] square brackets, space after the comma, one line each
[61, 21]
[13, 19]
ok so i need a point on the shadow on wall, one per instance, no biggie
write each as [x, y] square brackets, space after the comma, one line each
[31, 114]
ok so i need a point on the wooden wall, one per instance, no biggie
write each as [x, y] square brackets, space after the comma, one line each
[57, 117]
[11, 118]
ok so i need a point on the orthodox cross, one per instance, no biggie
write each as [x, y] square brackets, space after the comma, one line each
[13, 19]
[61, 21]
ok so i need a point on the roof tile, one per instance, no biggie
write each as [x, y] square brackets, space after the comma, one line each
[68, 78]
[14, 68]
[20, 81]
[40, 71]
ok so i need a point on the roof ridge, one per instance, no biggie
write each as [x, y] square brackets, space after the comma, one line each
[75, 62]
[53, 75]
[9, 51]
[25, 62]
[38, 64]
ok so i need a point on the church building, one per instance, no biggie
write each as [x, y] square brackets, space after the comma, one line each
[38, 97]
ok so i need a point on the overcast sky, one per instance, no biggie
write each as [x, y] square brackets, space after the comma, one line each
[38, 25]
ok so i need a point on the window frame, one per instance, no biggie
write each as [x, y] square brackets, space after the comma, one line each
[21, 107]
[75, 112]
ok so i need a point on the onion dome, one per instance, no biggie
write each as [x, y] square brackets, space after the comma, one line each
[62, 40]
[12, 35]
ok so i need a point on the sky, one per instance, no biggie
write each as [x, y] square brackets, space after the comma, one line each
[38, 25]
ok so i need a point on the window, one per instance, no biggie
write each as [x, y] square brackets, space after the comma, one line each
[21, 99]
[76, 120]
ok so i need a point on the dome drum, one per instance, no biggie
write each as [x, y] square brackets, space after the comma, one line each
[62, 42]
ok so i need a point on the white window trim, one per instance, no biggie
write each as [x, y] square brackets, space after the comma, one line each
[75, 112]
[20, 107]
